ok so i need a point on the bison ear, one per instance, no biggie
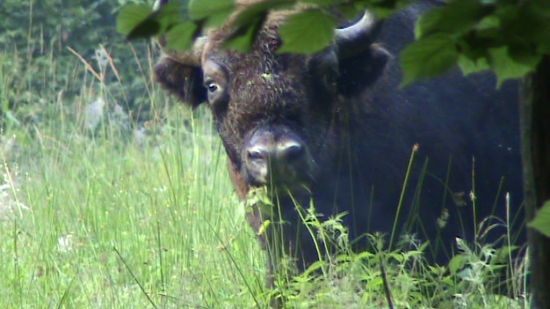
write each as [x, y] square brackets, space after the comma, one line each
[183, 80]
[362, 70]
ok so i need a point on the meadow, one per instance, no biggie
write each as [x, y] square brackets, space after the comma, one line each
[103, 209]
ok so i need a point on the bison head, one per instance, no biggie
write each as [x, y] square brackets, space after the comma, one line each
[280, 115]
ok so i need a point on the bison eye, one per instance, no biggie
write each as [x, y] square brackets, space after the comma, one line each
[216, 94]
[212, 87]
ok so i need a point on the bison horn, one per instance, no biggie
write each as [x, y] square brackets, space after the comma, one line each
[358, 37]
[190, 57]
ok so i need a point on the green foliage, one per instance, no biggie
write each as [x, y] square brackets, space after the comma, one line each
[504, 65]
[33, 28]
[140, 21]
[321, 2]
[455, 18]
[35, 41]
[180, 36]
[211, 13]
[508, 37]
[306, 32]
[243, 39]
[133, 17]
[437, 50]
[249, 21]
[135, 21]
[316, 30]
[343, 278]
[542, 218]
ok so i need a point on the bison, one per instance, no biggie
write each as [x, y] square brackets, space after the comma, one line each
[334, 128]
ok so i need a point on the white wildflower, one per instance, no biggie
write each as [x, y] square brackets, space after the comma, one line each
[65, 243]
[93, 114]
[140, 138]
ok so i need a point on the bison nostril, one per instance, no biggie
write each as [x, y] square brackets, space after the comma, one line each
[293, 152]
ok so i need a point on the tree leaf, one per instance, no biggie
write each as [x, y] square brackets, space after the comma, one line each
[321, 2]
[249, 15]
[146, 29]
[457, 263]
[169, 15]
[469, 66]
[527, 24]
[428, 57]
[457, 17]
[349, 10]
[199, 9]
[524, 53]
[242, 39]
[249, 21]
[381, 12]
[180, 36]
[541, 223]
[131, 16]
[505, 67]
[542, 6]
[212, 12]
[140, 21]
[307, 32]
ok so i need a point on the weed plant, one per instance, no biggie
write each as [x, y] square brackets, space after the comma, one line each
[478, 276]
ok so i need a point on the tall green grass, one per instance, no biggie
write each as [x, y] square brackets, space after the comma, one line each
[97, 218]
[97, 225]
[115, 214]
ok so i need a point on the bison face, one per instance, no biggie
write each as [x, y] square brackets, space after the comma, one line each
[279, 115]
[272, 112]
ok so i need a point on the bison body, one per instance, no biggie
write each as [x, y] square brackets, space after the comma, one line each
[334, 128]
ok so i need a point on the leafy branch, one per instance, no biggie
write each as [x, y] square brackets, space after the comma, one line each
[508, 37]
[309, 30]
